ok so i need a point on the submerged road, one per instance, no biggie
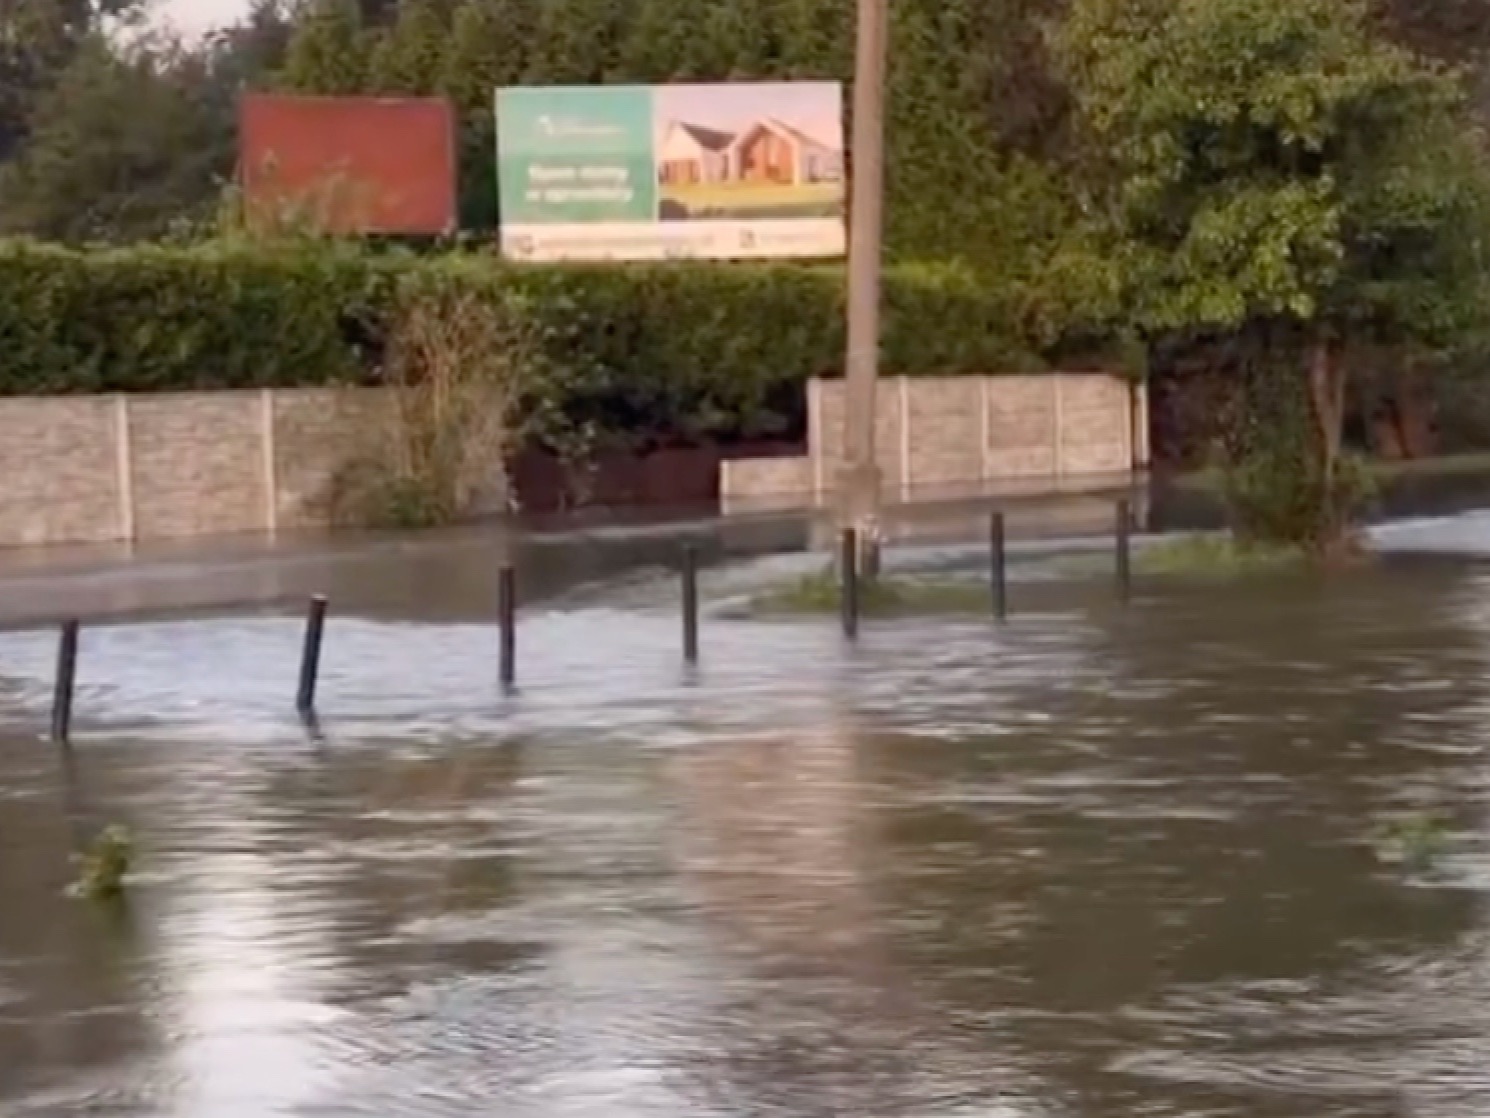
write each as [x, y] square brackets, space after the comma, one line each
[1102, 861]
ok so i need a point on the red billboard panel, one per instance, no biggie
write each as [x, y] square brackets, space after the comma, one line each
[348, 164]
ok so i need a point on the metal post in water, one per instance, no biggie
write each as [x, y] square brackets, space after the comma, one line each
[507, 616]
[848, 561]
[690, 604]
[67, 674]
[998, 562]
[310, 655]
[1124, 549]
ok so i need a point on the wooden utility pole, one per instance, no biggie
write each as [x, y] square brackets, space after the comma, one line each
[859, 485]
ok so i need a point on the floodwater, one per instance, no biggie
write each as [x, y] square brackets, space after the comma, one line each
[1104, 861]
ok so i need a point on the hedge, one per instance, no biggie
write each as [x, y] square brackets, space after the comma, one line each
[663, 351]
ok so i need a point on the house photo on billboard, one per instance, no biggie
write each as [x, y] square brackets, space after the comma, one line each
[749, 151]
[769, 151]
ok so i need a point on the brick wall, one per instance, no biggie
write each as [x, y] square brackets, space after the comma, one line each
[938, 435]
[104, 469]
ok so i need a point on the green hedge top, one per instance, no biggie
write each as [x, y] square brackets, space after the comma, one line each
[692, 350]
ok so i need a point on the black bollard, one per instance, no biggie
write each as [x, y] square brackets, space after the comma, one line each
[690, 604]
[998, 562]
[1124, 549]
[67, 675]
[310, 655]
[848, 560]
[507, 614]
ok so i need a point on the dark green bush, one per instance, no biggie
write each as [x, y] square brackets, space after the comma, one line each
[638, 352]
[1275, 485]
[159, 319]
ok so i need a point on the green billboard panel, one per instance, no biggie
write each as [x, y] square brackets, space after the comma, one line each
[576, 155]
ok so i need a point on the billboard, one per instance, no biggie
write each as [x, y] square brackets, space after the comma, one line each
[348, 164]
[672, 171]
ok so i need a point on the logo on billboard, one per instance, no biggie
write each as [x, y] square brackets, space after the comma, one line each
[569, 128]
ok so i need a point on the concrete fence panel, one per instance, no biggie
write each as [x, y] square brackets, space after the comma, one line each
[60, 460]
[196, 464]
[1096, 429]
[957, 434]
[1024, 418]
[315, 433]
[827, 416]
[106, 469]
[943, 435]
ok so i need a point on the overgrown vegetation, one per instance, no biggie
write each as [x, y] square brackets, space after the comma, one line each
[1213, 556]
[102, 868]
[1273, 479]
[888, 595]
[1417, 842]
[436, 453]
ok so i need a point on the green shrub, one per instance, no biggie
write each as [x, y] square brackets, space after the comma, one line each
[648, 353]
[1275, 486]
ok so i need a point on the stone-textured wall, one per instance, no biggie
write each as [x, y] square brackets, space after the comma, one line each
[196, 464]
[59, 471]
[944, 435]
[104, 469]
[314, 432]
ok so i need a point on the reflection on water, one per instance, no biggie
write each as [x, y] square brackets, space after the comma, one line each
[1099, 862]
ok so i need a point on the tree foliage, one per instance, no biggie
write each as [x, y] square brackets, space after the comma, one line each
[136, 139]
[409, 57]
[1270, 159]
[1271, 169]
[1449, 30]
[967, 98]
[330, 51]
[92, 172]
[38, 38]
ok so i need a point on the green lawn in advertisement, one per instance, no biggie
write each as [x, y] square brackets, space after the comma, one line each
[576, 155]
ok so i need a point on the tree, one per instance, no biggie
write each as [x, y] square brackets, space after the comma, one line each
[488, 48]
[136, 138]
[577, 41]
[38, 38]
[125, 146]
[245, 55]
[1451, 30]
[410, 54]
[1008, 72]
[328, 53]
[660, 47]
[1270, 170]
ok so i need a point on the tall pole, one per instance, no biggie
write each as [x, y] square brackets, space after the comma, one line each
[859, 486]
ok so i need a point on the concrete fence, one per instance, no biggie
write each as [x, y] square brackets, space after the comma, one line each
[965, 434]
[104, 469]
[101, 469]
